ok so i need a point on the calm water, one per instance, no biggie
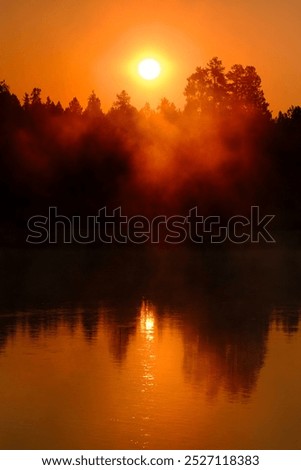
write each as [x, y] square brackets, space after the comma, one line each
[150, 349]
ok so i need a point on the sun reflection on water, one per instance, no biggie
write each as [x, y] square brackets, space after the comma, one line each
[147, 320]
[148, 357]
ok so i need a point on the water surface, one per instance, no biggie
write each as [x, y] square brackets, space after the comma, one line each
[150, 350]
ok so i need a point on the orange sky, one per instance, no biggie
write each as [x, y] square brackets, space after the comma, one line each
[68, 48]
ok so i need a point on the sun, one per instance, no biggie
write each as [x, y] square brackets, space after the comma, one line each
[149, 69]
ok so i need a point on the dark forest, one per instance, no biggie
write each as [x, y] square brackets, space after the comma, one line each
[223, 152]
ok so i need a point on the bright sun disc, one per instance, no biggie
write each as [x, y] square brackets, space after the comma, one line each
[149, 69]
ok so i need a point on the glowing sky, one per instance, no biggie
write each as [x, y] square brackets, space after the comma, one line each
[68, 48]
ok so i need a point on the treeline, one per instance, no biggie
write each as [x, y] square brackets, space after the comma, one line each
[223, 152]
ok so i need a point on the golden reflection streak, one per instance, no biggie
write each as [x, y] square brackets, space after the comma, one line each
[147, 320]
[148, 345]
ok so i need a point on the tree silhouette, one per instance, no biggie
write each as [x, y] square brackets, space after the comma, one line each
[9, 105]
[168, 110]
[26, 102]
[35, 97]
[206, 90]
[59, 108]
[75, 107]
[93, 109]
[123, 102]
[4, 88]
[244, 90]
[146, 111]
[50, 105]
[122, 112]
[210, 90]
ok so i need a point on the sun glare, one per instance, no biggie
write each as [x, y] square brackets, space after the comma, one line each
[149, 69]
